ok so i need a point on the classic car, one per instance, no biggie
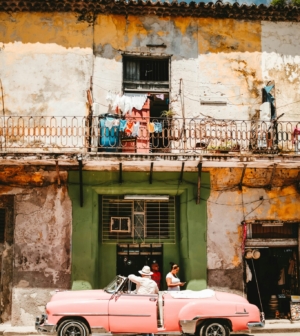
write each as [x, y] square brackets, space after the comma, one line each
[117, 309]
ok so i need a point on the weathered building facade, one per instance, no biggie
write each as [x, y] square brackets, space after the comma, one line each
[187, 192]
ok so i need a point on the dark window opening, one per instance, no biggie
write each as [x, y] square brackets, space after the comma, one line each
[284, 231]
[146, 69]
[145, 74]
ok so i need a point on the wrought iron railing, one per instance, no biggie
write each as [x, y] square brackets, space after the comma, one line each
[142, 135]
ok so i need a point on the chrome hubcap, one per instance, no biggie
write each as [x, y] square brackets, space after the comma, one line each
[215, 329]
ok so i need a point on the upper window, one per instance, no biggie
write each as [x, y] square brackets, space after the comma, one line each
[146, 74]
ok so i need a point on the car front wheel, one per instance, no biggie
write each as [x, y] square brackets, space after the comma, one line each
[214, 329]
[72, 328]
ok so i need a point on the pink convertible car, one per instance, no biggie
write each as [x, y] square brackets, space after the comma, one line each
[118, 310]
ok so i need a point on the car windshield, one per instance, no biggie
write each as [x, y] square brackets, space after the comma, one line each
[114, 285]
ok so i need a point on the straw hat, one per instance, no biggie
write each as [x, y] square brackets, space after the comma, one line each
[255, 254]
[248, 254]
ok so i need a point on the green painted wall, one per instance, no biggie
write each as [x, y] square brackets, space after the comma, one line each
[95, 262]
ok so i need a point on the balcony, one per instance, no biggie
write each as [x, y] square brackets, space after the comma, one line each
[44, 134]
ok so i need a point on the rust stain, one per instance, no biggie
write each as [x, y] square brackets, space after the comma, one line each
[228, 35]
[20, 176]
[49, 28]
[111, 29]
[236, 261]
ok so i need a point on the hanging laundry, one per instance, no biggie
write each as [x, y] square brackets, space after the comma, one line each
[248, 273]
[127, 105]
[151, 127]
[160, 96]
[136, 127]
[122, 104]
[116, 102]
[109, 122]
[110, 97]
[157, 127]
[123, 124]
[129, 127]
[137, 100]
[116, 122]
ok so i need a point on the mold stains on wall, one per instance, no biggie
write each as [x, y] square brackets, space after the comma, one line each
[249, 75]
[42, 238]
[228, 206]
[62, 29]
[6, 258]
[281, 64]
[228, 35]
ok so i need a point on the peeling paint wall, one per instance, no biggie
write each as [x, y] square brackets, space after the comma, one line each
[228, 207]
[45, 63]
[217, 59]
[42, 238]
[281, 63]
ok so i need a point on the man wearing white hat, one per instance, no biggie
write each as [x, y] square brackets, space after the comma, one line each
[144, 284]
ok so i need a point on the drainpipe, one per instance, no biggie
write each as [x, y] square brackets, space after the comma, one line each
[3, 112]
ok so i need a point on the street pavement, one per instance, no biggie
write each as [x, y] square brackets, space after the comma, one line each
[274, 327]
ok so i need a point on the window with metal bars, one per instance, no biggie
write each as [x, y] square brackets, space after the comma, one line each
[289, 230]
[144, 73]
[2, 225]
[143, 220]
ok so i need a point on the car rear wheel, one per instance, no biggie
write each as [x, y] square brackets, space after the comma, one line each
[72, 328]
[214, 329]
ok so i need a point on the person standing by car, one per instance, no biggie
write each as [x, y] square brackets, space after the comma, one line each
[156, 276]
[144, 284]
[172, 279]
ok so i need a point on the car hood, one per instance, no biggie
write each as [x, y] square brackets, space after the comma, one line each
[223, 296]
[96, 294]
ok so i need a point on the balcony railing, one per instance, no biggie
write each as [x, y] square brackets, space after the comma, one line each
[142, 135]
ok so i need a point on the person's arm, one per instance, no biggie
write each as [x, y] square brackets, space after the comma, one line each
[134, 278]
[156, 290]
[170, 284]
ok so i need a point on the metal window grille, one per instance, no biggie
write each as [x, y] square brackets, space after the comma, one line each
[2, 225]
[150, 221]
[289, 230]
[144, 74]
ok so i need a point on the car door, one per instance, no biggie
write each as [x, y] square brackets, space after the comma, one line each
[133, 313]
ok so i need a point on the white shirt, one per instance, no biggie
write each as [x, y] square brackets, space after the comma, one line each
[174, 280]
[144, 285]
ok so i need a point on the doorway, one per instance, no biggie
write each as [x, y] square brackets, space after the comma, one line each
[277, 277]
[132, 257]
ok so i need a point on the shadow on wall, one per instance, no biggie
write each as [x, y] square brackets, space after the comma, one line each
[81, 285]
[196, 284]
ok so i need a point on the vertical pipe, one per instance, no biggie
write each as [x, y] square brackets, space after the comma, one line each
[151, 171]
[199, 182]
[120, 173]
[80, 183]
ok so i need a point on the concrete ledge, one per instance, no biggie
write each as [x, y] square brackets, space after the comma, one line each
[278, 326]
[8, 330]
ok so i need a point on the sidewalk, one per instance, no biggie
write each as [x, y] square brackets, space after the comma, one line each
[278, 326]
[271, 327]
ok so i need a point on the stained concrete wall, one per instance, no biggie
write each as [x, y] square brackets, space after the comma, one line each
[228, 206]
[217, 59]
[281, 63]
[42, 238]
[45, 63]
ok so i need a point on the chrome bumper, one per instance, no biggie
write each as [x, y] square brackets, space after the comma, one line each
[253, 325]
[188, 326]
[42, 327]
